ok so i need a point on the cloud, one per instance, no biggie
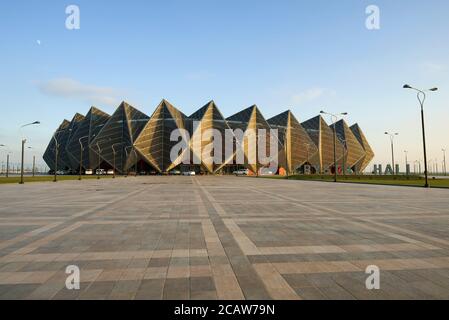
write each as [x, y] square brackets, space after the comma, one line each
[310, 95]
[72, 89]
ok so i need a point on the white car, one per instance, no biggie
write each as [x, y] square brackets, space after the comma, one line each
[110, 172]
[100, 172]
[189, 173]
[266, 172]
[89, 172]
[243, 172]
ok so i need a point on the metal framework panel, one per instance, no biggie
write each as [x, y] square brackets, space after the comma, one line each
[322, 135]
[153, 144]
[49, 154]
[86, 132]
[353, 152]
[207, 118]
[251, 120]
[119, 134]
[369, 153]
[298, 145]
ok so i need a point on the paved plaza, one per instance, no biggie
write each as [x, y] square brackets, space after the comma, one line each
[222, 238]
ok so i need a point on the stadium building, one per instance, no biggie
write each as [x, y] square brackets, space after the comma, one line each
[129, 140]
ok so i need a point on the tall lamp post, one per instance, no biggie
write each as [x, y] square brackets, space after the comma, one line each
[113, 154]
[7, 164]
[135, 153]
[286, 141]
[7, 160]
[34, 163]
[406, 160]
[334, 120]
[55, 177]
[444, 162]
[308, 162]
[99, 156]
[23, 149]
[421, 95]
[80, 140]
[392, 136]
[344, 149]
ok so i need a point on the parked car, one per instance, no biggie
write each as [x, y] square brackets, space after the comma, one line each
[175, 173]
[89, 172]
[266, 172]
[60, 172]
[242, 172]
[189, 173]
[100, 172]
[110, 172]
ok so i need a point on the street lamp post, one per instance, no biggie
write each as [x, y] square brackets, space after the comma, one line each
[55, 177]
[406, 161]
[392, 135]
[81, 156]
[334, 119]
[421, 95]
[307, 158]
[99, 160]
[7, 165]
[7, 161]
[287, 165]
[114, 153]
[444, 162]
[135, 154]
[23, 150]
[99, 156]
[126, 153]
[344, 156]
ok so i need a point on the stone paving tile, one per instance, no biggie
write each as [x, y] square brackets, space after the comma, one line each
[151, 289]
[16, 292]
[98, 290]
[222, 238]
[176, 289]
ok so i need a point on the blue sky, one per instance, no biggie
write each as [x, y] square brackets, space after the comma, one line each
[298, 55]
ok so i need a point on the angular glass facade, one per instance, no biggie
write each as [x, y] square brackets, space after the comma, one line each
[250, 121]
[113, 146]
[369, 154]
[130, 139]
[298, 145]
[323, 137]
[50, 152]
[83, 137]
[352, 152]
[153, 144]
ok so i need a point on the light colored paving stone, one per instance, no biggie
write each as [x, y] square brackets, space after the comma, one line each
[222, 238]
